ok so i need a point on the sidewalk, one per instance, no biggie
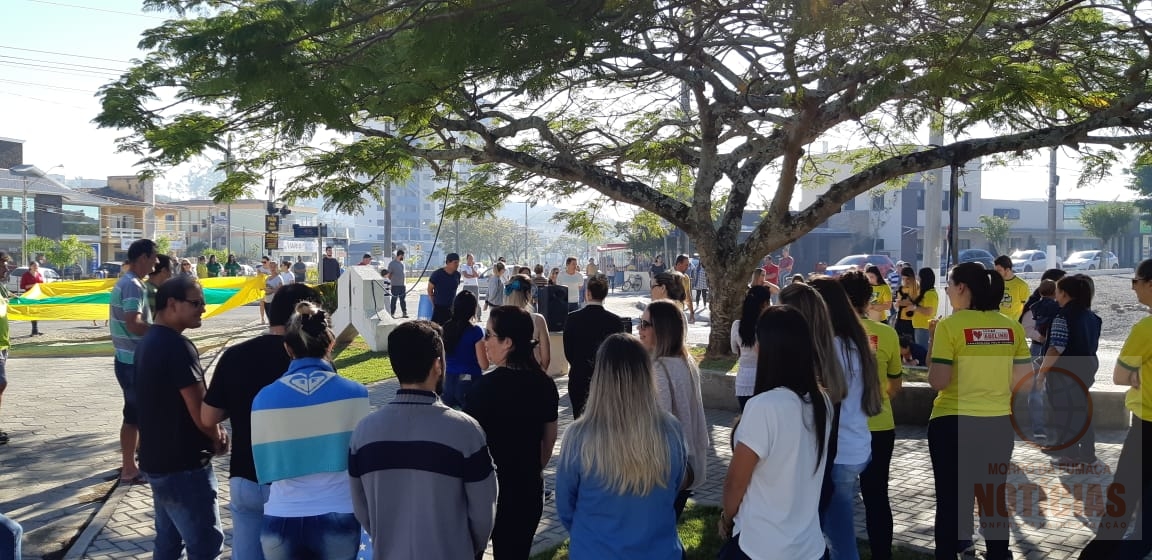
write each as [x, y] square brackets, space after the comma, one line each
[63, 416]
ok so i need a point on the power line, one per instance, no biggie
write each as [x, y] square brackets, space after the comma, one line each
[55, 70]
[62, 5]
[66, 54]
[47, 86]
[2, 92]
[56, 62]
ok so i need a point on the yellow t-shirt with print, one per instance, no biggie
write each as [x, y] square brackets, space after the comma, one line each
[1136, 355]
[881, 294]
[982, 347]
[931, 300]
[886, 344]
[1016, 293]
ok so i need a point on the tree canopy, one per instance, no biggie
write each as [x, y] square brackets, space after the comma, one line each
[1107, 220]
[996, 230]
[693, 110]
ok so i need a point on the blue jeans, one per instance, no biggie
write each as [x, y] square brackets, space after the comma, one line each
[1036, 409]
[332, 536]
[838, 520]
[456, 389]
[186, 510]
[10, 534]
[921, 336]
[247, 507]
[398, 295]
[126, 378]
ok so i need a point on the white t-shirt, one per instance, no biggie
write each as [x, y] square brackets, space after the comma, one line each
[310, 495]
[466, 269]
[746, 372]
[575, 283]
[854, 444]
[779, 516]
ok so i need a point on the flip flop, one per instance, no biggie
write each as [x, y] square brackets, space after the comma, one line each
[139, 479]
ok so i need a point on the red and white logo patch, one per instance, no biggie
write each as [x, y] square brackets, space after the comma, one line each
[874, 342]
[989, 336]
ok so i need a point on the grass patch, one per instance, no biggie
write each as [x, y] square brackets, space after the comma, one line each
[358, 363]
[727, 364]
[701, 542]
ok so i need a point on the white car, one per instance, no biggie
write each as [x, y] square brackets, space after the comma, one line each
[1028, 261]
[13, 283]
[1091, 260]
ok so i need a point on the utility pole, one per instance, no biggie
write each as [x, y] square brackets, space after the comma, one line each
[388, 219]
[933, 191]
[954, 214]
[1053, 180]
[229, 167]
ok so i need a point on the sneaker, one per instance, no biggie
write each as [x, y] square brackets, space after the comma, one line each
[1062, 462]
[405, 316]
[3, 438]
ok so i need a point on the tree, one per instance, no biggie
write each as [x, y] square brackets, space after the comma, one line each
[995, 229]
[489, 238]
[163, 245]
[61, 254]
[196, 249]
[685, 110]
[1142, 184]
[1107, 221]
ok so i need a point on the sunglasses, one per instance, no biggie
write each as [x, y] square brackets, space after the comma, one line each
[195, 302]
[644, 324]
[1137, 280]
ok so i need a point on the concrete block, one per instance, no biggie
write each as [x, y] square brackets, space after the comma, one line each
[363, 308]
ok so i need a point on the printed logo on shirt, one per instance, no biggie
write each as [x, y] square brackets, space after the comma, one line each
[308, 382]
[874, 342]
[1007, 299]
[988, 336]
[875, 298]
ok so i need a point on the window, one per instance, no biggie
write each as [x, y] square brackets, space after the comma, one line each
[965, 202]
[880, 244]
[195, 228]
[878, 202]
[850, 205]
[1007, 213]
[170, 217]
[963, 244]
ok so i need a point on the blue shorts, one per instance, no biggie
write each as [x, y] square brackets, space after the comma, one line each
[125, 374]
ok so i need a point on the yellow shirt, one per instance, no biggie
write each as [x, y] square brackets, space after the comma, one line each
[1016, 292]
[886, 344]
[881, 294]
[930, 300]
[982, 347]
[1136, 355]
[905, 312]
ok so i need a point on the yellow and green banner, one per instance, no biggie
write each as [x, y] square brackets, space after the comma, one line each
[87, 300]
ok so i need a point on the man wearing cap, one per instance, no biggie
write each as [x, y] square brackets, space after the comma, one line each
[442, 286]
[330, 267]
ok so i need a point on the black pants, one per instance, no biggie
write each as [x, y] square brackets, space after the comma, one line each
[1070, 423]
[743, 401]
[874, 491]
[441, 314]
[1131, 486]
[904, 326]
[681, 502]
[518, 509]
[578, 387]
[398, 295]
[967, 453]
[701, 295]
[35, 327]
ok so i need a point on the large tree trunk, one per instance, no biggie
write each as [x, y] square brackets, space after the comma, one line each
[727, 283]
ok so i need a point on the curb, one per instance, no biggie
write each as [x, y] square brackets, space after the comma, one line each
[97, 523]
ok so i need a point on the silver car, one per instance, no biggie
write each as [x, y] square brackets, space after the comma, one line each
[1091, 260]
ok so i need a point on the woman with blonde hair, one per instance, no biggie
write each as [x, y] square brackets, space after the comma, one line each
[662, 328]
[518, 293]
[622, 463]
[811, 305]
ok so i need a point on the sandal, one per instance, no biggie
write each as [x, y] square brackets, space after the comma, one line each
[138, 479]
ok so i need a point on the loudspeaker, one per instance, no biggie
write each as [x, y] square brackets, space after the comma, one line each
[553, 305]
[626, 324]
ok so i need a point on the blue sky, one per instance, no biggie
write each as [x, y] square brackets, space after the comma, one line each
[54, 55]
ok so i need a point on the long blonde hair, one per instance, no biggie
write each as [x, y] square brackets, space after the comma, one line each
[622, 436]
[811, 305]
[518, 292]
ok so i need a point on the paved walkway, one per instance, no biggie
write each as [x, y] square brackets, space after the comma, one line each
[63, 417]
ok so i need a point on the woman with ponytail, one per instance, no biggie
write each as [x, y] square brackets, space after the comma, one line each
[309, 509]
[517, 405]
[978, 356]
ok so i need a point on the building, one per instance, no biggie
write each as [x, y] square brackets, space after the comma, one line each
[240, 228]
[890, 220]
[133, 213]
[54, 210]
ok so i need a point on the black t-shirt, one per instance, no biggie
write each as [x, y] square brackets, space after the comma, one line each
[167, 362]
[513, 406]
[242, 371]
[446, 285]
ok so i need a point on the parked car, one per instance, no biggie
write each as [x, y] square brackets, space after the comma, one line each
[1029, 261]
[978, 255]
[246, 270]
[13, 284]
[845, 264]
[111, 269]
[1091, 260]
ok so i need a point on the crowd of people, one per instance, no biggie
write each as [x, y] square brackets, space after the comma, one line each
[462, 447]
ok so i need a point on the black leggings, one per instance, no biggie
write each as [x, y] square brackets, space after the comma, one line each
[518, 509]
[874, 491]
[1131, 486]
[967, 452]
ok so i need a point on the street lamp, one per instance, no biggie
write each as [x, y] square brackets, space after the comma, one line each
[25, 171]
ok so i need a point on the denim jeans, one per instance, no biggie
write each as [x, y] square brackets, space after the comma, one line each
[332, 536]
[10, 534]
[186, 510]
[247, 507]
[456, 389]
[1036, 409]
[398, 295]
[838, 519]
[922, 337]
